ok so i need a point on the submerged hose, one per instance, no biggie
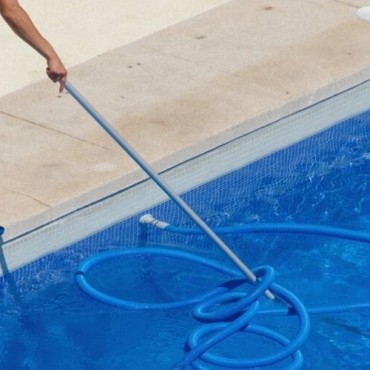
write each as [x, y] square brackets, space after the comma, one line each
[223, 310]
[234, 314]
[271, 228]
[244, 307]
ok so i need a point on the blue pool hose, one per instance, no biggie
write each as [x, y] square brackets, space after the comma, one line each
[163, 185]
[234, 310]
[270, 228]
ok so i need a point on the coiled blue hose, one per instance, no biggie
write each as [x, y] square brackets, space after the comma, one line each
[247, 307]
[224, 311]
[237, 310]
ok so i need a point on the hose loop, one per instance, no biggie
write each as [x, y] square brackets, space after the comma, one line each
[234, 313]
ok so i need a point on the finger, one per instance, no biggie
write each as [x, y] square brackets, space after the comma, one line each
[62, 84]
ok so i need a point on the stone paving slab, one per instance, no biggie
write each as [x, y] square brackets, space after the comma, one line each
[173, 95]
[82, 30]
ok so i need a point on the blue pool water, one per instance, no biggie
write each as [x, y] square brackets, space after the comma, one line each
[48, 323]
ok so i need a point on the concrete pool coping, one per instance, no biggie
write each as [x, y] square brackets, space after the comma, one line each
[174, 95]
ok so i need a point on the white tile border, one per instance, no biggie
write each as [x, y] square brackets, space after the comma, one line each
[185, 176]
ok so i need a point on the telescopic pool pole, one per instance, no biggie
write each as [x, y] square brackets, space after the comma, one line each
[164, 186]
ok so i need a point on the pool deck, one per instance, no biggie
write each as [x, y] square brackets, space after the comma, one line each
[180, 91]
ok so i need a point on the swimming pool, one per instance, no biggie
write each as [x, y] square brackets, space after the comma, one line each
[48, 323]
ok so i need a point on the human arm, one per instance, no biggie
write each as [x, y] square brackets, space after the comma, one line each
[22, 25]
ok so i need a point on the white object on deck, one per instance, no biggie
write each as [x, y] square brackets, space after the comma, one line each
[364, 13]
